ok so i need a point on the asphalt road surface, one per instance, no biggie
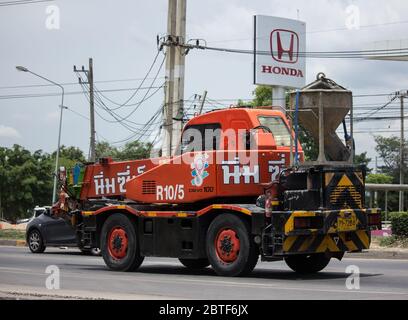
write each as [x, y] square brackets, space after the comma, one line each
[23, 276]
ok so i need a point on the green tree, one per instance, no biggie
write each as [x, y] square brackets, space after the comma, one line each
[388, 148]
[379, 178]
[104, 149]
[362, 159]
[72, 153]
[130, 151]
[25, 180]
[310, 149]
[389, 151]
[69, 156]
[134, 150]
[262, 96]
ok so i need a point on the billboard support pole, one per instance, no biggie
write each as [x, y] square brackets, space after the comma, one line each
[279, 97]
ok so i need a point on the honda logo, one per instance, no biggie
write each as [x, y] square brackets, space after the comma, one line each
[284, 46]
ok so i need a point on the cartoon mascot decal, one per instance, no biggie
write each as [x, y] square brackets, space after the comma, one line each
[198, 166]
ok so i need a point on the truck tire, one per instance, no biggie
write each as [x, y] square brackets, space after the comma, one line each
[307, 264]
[120, 244]
[230, 249]
[35, 241]
[91, 252]
[195, 264]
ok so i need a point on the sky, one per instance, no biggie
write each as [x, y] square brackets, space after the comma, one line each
[120, 36]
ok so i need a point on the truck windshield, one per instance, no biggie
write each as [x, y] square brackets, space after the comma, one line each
[279, 129]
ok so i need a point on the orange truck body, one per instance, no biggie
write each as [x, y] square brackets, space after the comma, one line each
[233, 170]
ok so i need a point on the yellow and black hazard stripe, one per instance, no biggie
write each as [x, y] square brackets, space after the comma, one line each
[330, 219]
[345, 189]
[335, 242]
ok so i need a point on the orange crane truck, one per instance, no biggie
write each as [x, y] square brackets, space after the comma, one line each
[233, 197]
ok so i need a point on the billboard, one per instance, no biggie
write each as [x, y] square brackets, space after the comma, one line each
[279, 51]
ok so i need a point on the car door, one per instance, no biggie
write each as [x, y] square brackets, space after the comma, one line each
[58, 231]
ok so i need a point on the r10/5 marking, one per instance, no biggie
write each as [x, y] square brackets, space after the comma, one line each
[170, 192]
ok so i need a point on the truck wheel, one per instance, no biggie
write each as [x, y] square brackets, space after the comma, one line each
[35, 241]
[230, 249]
[306, 264]
[195, 263]
[91, 252]
[119, 243]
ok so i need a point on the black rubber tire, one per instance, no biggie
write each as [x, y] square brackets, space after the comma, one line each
[40, 247]
[91, 252]
[133, 259]
[248, 254]
[307, 264]
[195, 264]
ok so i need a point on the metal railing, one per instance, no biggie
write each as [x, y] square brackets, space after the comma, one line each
[374, 188]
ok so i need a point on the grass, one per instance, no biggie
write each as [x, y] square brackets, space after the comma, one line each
[394, 242]
[12, 234]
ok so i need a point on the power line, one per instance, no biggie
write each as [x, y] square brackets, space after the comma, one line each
[376, 110]
[319, 31]
[145, 128]
[98, 104]
[137, 105]
[123, 123]
[133, 104]
[144, 79]
[84, 117]
[120, 118]
[349, 54]
[73, 83]
[41, 95]
[77, 113]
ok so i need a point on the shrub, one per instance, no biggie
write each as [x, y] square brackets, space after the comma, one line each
[387, 241]
[399, 223]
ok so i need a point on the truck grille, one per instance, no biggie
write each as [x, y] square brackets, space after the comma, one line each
[149, 187]
[346, 197]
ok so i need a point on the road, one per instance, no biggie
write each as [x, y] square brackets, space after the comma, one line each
[22, 275]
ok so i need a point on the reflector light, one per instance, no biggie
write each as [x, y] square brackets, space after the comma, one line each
[302, 223]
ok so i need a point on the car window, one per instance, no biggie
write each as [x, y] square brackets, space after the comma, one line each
[201, 137]
[279, 129]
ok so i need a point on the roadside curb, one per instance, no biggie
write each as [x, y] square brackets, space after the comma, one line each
[380, 254]
[15, 243]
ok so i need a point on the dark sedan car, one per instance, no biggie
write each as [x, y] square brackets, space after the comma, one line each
[45, 230]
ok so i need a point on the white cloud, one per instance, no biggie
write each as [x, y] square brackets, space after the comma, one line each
[51, 117]
[8, 132]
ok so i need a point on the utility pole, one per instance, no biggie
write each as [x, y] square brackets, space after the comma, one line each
[91, 111]
[169, 97]
[90, 79]
[178, 110]
[376, 192]
[203, 101]
[401, 193]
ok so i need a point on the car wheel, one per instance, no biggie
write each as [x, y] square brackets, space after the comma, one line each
[35, 241]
